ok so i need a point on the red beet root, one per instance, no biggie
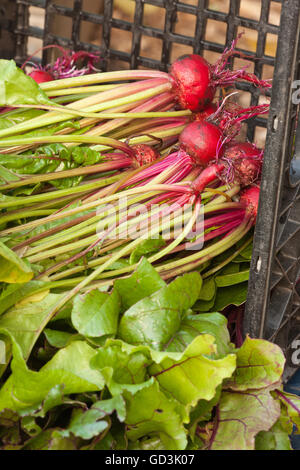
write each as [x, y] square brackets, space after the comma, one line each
[243, 163]
[40, 76]
[208, 175]
[195, 80]
[144, 154]
[208, 111]
[250, 197]
[191, 75]
[64, 66]
[202, 141]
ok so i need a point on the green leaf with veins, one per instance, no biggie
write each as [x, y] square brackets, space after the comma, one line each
[142, 283]
[277, 438]
[225, 280]
[18, 88]
[231, 295]
[96, 313]
[16, 116]
[208, 289]
[241, 416]
[12, 268]
[27, 165]
[195, 373]
[70, 366]
[123, 366]
[291, 404]
[54, 397]
[231, 268]
[155, 319]
[202, 412]
[204, 305]
[188, 376]
[151, 413]
[7, 176]
[89, 423]
[259, 364]
[13, 293]
[29, 425]
[192, 326]
[26, 321]
[5, 352]
[149, 246]
[60, 339]
[50, 439]
[86, 424]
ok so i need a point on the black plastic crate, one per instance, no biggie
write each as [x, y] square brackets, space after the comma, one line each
[273, 303]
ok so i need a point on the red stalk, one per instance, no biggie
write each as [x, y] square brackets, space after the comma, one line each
[227, 222]
[207, 176]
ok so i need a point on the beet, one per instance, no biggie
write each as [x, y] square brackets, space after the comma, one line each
[243, 163]
[40, 76]
[206, 113]
[64, 66]
[144, 154]
[196, 80]
[208, 175]
[202, 141]
[250, 197]
[240, 150]
[191, 75]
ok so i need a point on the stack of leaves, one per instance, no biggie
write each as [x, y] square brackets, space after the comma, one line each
[90, 373]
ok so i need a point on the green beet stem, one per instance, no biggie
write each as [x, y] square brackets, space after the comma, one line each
[80, 90]
[59, 193]
[41, 178]
[106, 100]
[103, 77]
[227, 260]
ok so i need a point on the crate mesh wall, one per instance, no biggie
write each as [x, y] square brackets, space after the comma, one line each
[124, 40]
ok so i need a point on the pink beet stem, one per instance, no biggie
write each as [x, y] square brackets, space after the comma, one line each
[154, 170]
[208, 175]
[231, 220]
[180, 175]
[226, 77]
[162, 197]
[146, 106]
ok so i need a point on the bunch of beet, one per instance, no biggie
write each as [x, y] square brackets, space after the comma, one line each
[160, 139]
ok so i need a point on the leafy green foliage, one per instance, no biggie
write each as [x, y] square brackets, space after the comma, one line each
[17, 116]
[70, 366]
[276, 438]
[14, 82]
[25, 321]
[12, 268]
[14, 293]
[92, 422]
[161, 417]
[149, 246]
[96, 313]
[139, 367]
[46, 159]
[156, 318]
[142, 283]
[241, 416]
